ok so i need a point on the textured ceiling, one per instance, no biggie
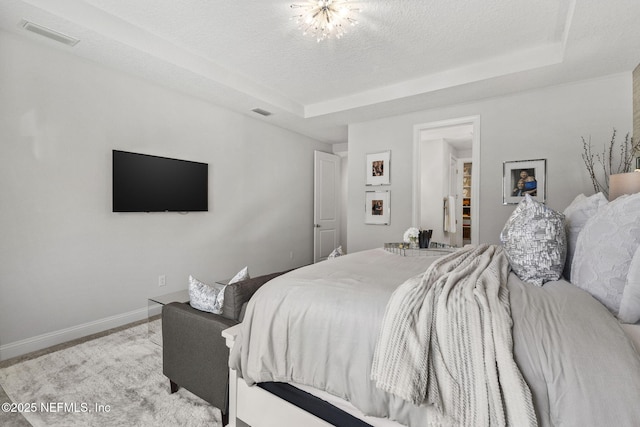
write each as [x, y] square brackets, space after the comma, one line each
[405, 55]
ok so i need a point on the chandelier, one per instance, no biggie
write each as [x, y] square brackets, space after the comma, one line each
[325, 18]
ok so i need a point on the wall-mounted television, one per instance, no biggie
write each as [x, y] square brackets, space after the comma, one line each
[144, 183]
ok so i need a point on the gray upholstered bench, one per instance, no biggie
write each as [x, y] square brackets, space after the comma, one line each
[194, 352]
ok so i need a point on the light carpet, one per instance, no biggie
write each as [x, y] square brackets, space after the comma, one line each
[115, 380]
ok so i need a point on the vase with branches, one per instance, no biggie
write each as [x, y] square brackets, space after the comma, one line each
[612, 160]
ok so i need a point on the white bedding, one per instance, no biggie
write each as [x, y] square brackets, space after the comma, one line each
[318, 326]
[633, 332]
[313, 326]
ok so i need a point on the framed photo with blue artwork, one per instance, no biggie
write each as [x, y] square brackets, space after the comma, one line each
[522, 177]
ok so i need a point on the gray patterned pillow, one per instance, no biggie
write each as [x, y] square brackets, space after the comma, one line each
[206, 297]
[534, 241]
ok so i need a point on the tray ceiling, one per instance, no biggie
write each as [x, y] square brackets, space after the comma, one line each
[403, 56]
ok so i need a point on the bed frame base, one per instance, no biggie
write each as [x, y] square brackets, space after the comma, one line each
[256, 407]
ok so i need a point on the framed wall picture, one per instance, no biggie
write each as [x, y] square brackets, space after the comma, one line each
[378, 168]
[377, 206]
[524, 177]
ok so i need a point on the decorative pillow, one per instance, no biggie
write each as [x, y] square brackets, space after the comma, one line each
[206, 297]
[534, 240]
[604, 251]
[576, 216]
[240, 276]
[336, 253]
[630, 304]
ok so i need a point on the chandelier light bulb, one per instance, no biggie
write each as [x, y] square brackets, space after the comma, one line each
[325, 18]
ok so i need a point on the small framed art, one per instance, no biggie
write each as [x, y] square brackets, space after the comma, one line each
[378, 168]
[377, 207]
[524, 177]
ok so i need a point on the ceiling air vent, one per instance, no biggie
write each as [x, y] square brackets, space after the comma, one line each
[261, 112]
[49, 33]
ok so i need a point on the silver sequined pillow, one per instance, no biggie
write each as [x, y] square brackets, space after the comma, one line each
[206, 297]
[534, 241]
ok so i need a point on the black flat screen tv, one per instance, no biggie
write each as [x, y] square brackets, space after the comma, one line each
[144, 183]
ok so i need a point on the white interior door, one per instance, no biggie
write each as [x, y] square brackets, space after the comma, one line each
[326, 218]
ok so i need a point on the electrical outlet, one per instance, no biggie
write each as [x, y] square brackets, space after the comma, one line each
[291, 255]
[162, 280]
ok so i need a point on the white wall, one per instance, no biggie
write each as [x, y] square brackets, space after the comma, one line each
[541, 124]
[68, 265]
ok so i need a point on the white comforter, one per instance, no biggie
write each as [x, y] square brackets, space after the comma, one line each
[318, 326]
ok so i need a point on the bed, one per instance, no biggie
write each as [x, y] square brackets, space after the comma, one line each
[316, 330]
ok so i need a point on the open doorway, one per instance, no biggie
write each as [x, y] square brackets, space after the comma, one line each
[439, 180]
[464, 171]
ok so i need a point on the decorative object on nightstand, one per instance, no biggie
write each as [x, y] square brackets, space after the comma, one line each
[424, 238]
[601, 166]
[404, 249]
[623, 183]
[411, 237]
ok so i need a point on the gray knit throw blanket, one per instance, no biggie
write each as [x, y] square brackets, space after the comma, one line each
[446, 341]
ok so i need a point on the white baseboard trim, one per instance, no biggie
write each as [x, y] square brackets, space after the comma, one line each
[19, 348]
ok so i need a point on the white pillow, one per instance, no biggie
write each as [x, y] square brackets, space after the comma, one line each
[240, 276]
[534, 240]
[206, 297]
[604, 251]
[576, 216]
[630, 304]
